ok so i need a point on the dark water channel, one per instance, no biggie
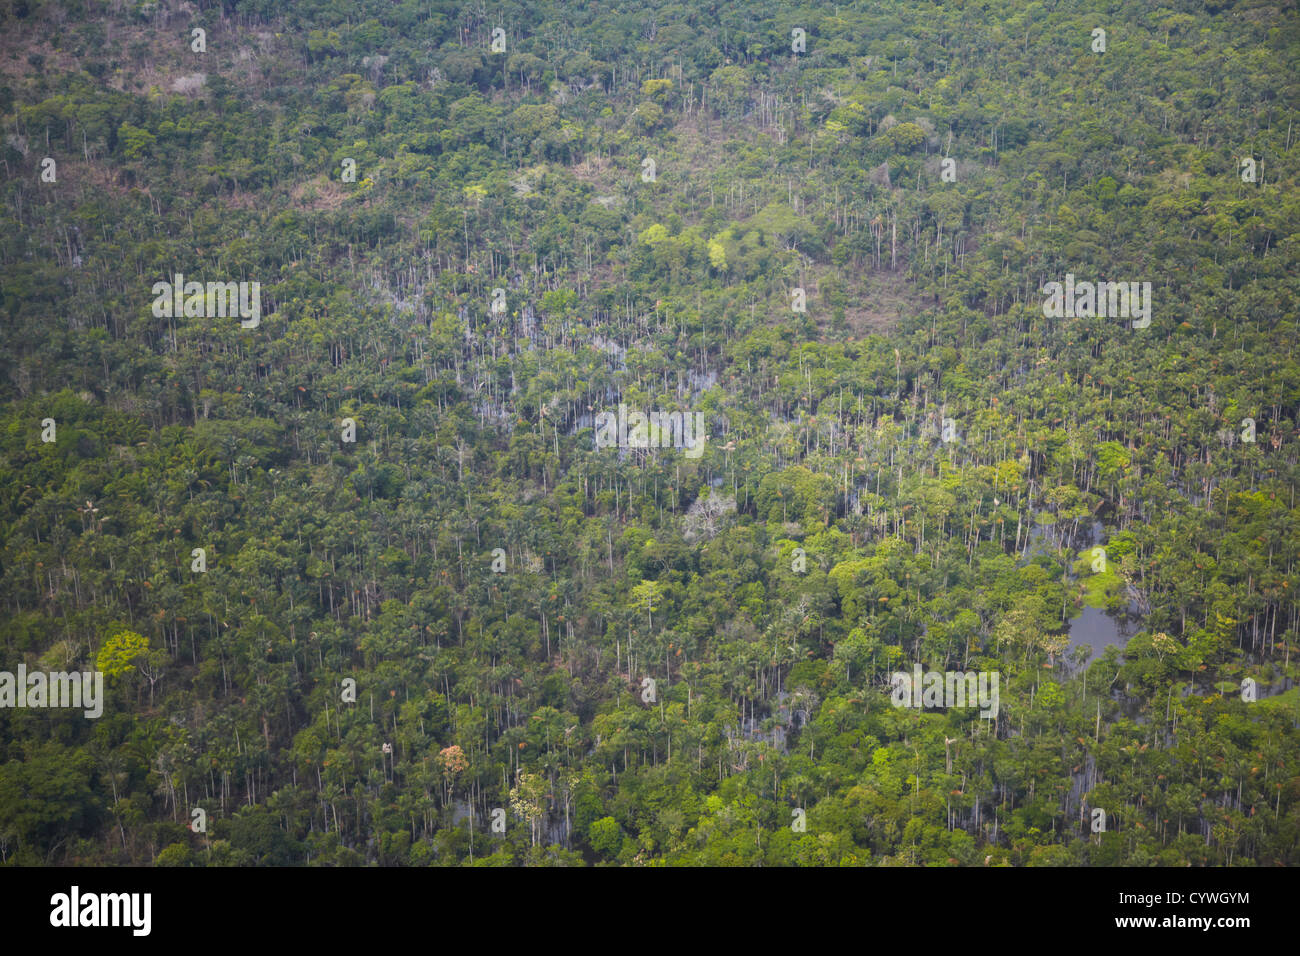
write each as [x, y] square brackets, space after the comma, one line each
[1092, 627]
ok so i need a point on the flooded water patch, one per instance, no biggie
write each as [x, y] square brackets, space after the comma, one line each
[1096, 629]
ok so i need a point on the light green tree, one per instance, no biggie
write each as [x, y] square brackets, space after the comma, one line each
[120, 652]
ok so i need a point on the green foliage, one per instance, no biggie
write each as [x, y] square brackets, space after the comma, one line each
[830, 532]
[121, 652]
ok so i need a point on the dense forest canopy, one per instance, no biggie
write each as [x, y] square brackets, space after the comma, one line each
[365, 583]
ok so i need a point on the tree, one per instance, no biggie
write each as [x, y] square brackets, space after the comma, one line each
[605, 836]
[122, 651]
[527, 800]
[646, 595]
